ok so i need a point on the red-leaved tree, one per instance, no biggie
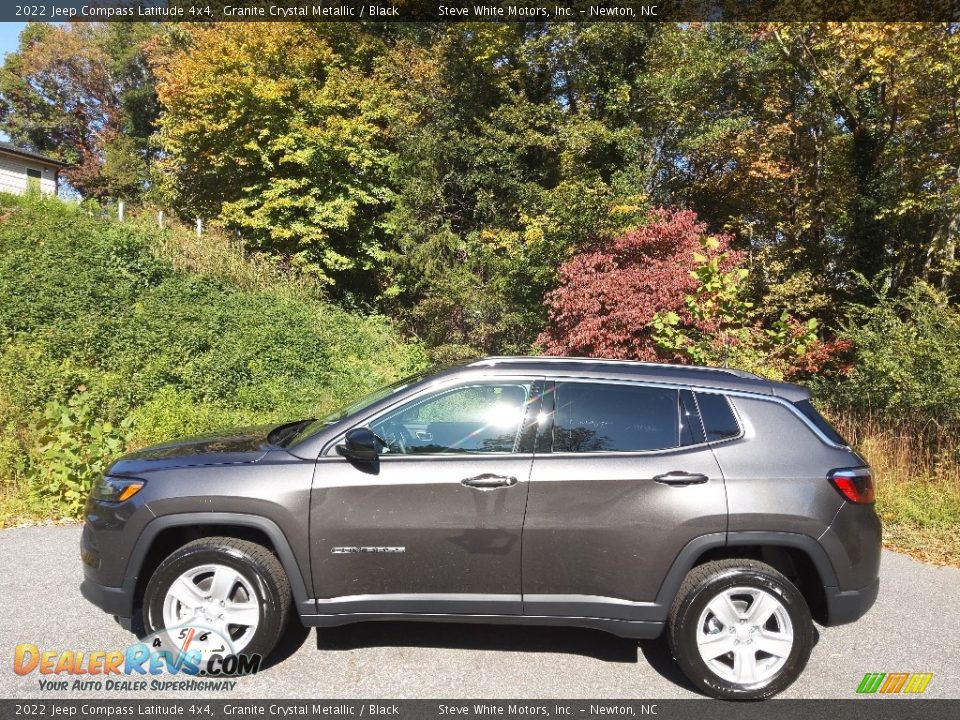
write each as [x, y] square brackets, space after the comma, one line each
[609, 294]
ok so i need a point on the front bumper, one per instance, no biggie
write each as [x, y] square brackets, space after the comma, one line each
[116, 601]
[109, 534]
[845, 606]
[112, 600]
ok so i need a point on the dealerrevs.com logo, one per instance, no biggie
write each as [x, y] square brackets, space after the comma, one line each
[198, 658]
[894, 683]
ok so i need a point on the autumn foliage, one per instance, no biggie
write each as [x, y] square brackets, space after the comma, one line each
[608, 295]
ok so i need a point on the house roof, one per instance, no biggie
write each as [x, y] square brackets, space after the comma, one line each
[14, 150]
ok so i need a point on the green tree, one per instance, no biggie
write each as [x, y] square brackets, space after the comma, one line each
[281, 132]
[836, 144]
[722, 327]
[84, 93]
[523, 147]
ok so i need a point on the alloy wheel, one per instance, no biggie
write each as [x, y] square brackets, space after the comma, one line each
[745, 635]
[216, 597]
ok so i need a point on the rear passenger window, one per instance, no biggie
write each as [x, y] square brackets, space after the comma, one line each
[601, 417]
[719, 421]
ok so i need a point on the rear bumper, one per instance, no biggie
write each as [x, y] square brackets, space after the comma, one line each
[845, 606]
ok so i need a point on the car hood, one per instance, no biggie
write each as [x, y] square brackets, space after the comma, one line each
[242, 445]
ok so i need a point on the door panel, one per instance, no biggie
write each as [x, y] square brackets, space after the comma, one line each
[406, 534]
[601, 531]
[601, 526]
[454, 539]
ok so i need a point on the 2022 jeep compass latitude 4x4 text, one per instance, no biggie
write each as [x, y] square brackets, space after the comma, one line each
[636, 498]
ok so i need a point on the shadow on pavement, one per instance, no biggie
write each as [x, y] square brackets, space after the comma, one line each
[658, 657]
[590, 643]
[580, 641]
[292, 639]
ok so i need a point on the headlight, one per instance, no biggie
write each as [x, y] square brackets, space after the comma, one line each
[116, 489]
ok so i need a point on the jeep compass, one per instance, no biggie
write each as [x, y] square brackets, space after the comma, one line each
[635, 498]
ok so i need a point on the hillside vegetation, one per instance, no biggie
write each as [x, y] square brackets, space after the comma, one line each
[115, 336]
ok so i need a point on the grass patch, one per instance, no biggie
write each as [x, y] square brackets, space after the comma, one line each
[917, 470]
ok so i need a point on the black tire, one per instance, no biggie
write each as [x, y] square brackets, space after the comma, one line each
[258, 566]
[701, 586]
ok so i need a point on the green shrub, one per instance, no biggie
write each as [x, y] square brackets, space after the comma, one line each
[173, 413]
[75, 449]
[87, 301]
[907, 360]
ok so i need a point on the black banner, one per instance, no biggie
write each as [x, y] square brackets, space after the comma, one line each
[875, 708]
[491, 11]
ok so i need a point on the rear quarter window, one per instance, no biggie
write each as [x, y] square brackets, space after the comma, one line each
[719, 422]
[810, 412]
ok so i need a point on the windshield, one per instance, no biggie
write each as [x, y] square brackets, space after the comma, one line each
[353, 408]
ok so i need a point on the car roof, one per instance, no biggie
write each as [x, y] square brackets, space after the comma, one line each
[729, 379]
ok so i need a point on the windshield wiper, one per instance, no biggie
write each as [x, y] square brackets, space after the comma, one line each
[281, 434]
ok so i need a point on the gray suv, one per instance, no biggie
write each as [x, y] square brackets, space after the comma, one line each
[629, 497]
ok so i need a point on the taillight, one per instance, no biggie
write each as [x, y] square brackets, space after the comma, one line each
[855, 484]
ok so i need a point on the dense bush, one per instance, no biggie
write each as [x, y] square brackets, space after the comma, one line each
[907, 360]
[609, 294]
[86, 302]
[75, 448]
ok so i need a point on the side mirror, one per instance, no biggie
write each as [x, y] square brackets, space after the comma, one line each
[362, 445]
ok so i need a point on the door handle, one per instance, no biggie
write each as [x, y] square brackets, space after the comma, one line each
[489, 481]
[679, 477]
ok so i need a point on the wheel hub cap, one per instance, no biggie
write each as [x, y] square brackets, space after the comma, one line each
[744, 635]
[216, 597]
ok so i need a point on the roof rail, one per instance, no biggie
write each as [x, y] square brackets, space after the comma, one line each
[496, 359]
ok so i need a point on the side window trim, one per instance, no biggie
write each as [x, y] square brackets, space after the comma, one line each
[688, 406]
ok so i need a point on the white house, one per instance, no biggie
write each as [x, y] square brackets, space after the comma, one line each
[22, 169]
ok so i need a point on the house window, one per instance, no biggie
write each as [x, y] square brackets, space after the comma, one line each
[33, 180]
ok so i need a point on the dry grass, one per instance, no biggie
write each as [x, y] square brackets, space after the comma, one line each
[917, 468]
[216, 253]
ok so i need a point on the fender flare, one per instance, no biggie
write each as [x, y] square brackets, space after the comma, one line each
[686, 558]
[302, 602]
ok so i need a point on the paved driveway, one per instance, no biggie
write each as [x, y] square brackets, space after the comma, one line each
[914, 627]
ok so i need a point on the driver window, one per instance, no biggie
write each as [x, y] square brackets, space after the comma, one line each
[473, 419]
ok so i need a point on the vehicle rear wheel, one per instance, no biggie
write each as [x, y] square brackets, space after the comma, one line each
[220, 594]
[740, 630]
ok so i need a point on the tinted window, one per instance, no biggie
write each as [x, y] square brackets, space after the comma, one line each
[719, 421]
[473, 419]
[807, 408]
[595, 417]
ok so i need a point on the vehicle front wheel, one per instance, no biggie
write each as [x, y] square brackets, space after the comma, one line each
[740, 630]
[218, 594]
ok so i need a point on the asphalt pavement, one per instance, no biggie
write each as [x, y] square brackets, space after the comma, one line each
[914, 627]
